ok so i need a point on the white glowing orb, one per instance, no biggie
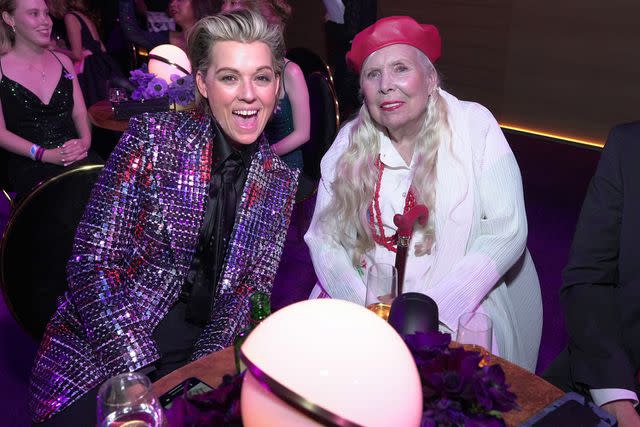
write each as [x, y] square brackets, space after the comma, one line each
[337, 355]
[176, 59]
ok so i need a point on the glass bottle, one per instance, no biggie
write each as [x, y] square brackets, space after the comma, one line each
[260, 308]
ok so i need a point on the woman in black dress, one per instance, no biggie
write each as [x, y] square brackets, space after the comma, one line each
[43, 119]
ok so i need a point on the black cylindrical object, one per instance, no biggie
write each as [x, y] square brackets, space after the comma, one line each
[413, 312]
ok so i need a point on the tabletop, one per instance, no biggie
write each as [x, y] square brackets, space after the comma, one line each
[533, 392]
[101, 115]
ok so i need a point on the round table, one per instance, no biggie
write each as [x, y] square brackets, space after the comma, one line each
[101, 115]
[533, 392]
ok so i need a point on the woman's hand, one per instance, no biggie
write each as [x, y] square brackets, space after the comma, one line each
[70, 152]
[74, 150]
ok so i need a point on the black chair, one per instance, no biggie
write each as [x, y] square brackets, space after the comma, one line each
[37, 244]
[325, 119]
[309, 62]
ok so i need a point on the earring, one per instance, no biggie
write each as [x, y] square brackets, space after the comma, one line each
[13, 28]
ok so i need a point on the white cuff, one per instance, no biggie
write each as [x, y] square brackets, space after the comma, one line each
[602, 396]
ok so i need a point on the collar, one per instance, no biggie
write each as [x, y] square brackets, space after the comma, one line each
[389, 155]
[222, 149]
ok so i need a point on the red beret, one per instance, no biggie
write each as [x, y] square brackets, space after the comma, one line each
[394, 30]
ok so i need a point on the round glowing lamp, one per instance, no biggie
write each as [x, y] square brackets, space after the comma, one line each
[167, 59]
[328, 362]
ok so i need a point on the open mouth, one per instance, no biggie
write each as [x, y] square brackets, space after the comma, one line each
[246, 118]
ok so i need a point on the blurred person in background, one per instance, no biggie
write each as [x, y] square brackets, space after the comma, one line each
[93, 65]
[184, 12]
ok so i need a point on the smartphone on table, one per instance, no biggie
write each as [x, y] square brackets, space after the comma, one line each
[193, 385]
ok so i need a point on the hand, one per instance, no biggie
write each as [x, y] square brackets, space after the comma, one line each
[73, 150]
[624, 412]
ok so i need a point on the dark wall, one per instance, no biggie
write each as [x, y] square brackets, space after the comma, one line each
[570, 67]
[306, 26]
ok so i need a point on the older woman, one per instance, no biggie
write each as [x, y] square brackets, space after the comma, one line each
[412, 142]
[187, 220]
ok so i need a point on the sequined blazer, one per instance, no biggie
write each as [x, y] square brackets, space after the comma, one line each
[133, 249]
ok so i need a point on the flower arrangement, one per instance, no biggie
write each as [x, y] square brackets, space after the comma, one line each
[181, 89]
[457, 391]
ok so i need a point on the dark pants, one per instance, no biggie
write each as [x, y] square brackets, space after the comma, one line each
[175, 338]
[559, 374]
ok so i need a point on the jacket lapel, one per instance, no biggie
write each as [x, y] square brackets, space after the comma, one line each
[261, 222]
[184, 170]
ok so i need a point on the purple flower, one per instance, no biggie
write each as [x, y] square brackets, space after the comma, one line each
[456, 390]
[181, 89]
[137, 94]
[156, 88]
[218, 407]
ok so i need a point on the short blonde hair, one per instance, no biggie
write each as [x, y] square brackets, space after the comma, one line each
[241, 26]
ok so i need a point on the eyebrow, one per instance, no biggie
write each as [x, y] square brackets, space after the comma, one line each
[233, 70]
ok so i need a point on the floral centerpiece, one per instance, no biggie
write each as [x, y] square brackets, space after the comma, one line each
[457, 391]
[153, 94]
[180, 90]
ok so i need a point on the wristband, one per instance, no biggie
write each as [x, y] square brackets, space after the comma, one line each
[33, 150]
[39, 153]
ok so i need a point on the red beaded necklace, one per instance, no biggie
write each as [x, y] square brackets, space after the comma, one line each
[375, 215]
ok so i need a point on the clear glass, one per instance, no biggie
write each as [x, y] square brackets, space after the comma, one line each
[117, 94]
[126, 400]
[476, 331]
[382, 288]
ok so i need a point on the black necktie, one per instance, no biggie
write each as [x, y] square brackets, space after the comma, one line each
[220, 217]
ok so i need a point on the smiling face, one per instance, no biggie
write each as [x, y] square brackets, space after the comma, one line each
[182, 12]
[31, 21]
[241, 88]
[396, 83]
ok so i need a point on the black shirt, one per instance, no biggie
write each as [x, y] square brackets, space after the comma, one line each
[229, 169]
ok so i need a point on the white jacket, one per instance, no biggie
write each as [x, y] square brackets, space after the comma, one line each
[479, 261]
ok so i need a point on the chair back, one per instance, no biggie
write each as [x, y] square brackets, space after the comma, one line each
[37, 244]
[309, 62]
[325, 118]
[5, 186]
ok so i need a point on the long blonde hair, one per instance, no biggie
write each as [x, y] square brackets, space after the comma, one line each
[356, 175]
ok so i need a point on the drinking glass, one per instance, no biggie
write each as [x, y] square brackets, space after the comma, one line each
[476, 331]
[126, 400]
[382, 288]
[117, 94]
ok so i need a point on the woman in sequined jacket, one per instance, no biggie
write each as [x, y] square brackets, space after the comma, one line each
[135, 243]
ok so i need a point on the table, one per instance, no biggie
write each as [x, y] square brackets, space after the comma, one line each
[533, 392]
[101, 115]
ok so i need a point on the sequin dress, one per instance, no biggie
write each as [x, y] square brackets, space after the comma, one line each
[281, 125]
[49, 125]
